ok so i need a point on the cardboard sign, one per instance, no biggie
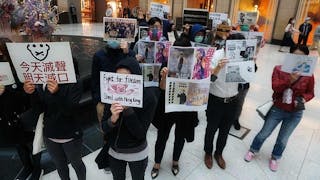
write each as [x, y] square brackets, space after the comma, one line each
[6, 76]
[40, 61]
[127, 89]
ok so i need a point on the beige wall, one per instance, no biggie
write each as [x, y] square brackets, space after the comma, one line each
[286, 9]
[222, 6]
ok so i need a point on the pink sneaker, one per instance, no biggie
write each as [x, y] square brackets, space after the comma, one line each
[273, 165]
[249, 156]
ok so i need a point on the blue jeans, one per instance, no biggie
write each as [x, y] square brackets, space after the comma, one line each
[289, 120]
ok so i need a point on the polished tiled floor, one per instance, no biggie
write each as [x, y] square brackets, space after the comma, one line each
[301, 159]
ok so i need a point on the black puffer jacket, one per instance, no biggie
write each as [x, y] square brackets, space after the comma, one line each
[129, 133]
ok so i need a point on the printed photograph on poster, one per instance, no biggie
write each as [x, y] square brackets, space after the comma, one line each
[299, 63]
[247, 18]
[203, 56]
[6, 76]
[147, 50]
[181, 62]
[186, 95]
[240, 72]
[244, 33]
[143, 32]
[241, 50]
[40, 61]
[158, 10]
[150, 74]
[195, 44]
[259, 37]
[119, 28]
[162, 51]
[127, 89]
[217, 18]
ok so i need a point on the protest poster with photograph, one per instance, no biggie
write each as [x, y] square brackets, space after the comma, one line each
[188, 80]
[247, 18]
[244, 33]
[119, 29]
[6, 76]
[143, 32]
[186, 95]
[241, 50]
[217, 18]
[240, 71]
[158, 10]
[150, 74]
[303, 64]
[147, 49]
[162, 51]
[40, 61]
[260, 38]
[126, 89]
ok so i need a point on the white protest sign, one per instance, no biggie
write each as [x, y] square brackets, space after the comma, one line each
[119, 28]
[127, 89]
[158, 10]
[39, 61]
[241, 50]
[240, 71]
[247, 18]
[217, 18]
[6, 76]
[150, 73]
[299, 63]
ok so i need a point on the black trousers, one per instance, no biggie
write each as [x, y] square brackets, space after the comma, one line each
[302, 39]
[241, 97]
[163, 135]
[137, 168]
[62, 152]
[220, 115]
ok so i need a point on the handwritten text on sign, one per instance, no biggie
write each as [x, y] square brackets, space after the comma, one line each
[127, 89]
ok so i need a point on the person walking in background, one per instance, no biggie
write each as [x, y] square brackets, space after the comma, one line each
[305, 30]
[73, 12]
[287, 37]
[290, 92]
[61, 130]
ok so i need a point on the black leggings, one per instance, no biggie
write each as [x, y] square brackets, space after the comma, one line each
[163, 135]
[62, 152]
[137, 168]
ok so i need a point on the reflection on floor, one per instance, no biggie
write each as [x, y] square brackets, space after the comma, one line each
[301, 159]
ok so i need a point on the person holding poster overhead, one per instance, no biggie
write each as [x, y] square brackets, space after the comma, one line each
[13, 103]
[290, 92]
[61, 130]
[127, 129]
[185, 123]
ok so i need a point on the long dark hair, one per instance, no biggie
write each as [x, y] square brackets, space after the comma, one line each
[292, 18]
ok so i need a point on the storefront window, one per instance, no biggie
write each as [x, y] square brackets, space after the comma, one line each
[313, 12]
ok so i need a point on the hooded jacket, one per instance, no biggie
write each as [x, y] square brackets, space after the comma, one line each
[194, 30]
[128, 135]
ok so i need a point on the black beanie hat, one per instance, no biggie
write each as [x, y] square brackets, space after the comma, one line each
[131, 64]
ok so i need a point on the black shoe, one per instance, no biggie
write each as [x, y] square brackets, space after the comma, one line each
[237, 126]
[175, 169]
[154, 173]
[36, 174]
[24, 174]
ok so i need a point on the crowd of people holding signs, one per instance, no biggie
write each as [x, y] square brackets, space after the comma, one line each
[140, 79]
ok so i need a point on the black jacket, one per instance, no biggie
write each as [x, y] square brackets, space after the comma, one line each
[59, 110]
[129, 133]
[105, 60]
[308, 29]
[187, 120]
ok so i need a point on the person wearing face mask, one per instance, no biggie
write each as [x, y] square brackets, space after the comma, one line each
[197, 33]
[106, 60]
[155, 34]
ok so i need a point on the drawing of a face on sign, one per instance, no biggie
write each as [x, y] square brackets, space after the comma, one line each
[121, 89]
[39, 51]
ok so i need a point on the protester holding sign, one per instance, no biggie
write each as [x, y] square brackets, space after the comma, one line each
[127, 129]
[290, 92]
[185, 123]
[13, 103]
[62, 132]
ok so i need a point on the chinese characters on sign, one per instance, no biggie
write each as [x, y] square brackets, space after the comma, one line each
[41, 61]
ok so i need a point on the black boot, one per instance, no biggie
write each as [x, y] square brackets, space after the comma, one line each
[36, 167]
[25, 157]
[236, 125]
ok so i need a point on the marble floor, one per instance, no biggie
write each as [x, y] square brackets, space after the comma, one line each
[301, 159]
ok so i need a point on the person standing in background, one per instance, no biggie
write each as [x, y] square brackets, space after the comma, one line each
[305, 30]
[287, 37]
[73, 12]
